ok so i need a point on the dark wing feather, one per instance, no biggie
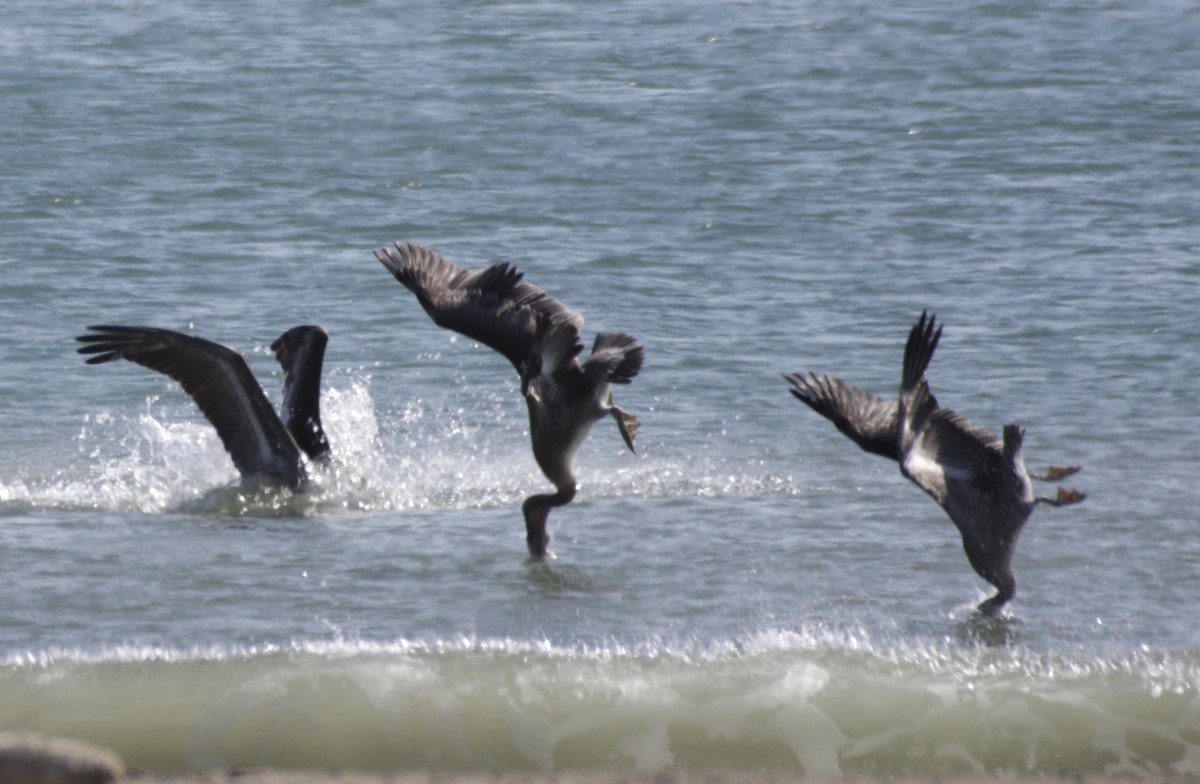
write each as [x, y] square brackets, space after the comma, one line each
[917, 403]
[558, 345]
[867, 420]
[220, 382]
[616, 358]
[301, 353]
[493, 306]
[918, 351]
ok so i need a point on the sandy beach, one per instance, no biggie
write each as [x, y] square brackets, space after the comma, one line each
[30, 758]
[580, 777]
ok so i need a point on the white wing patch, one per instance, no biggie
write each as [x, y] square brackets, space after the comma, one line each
[929, 474]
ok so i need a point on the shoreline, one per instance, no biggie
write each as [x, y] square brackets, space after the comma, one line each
[270, 776]
[31, 758]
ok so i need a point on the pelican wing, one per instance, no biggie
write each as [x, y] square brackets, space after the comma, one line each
[558, 345]
[301, 353]
[493, 306]
[945, 454]
[867, 420]
[220, 382]
[615, 358]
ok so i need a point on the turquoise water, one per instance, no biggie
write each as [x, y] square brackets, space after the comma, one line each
[749, 189]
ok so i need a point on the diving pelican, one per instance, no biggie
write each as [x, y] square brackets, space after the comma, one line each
[979, 479]
[540, 337]
[215, 376]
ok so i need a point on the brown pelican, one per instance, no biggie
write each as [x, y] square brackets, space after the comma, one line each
[979, 479]
[540, 337]
[218, 379]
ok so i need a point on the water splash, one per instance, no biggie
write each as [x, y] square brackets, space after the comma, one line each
[460, 452]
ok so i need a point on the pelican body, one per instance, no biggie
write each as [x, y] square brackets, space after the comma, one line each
[261, 443]
[977, 478]
[540, 337]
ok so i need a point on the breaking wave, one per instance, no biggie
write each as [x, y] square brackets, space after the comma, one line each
[827, 703]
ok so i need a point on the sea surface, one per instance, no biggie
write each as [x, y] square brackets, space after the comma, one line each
[750, 188]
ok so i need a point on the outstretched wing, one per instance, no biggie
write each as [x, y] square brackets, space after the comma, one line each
[301, 353]
[220, 382]
[867, 420]
[493, 306]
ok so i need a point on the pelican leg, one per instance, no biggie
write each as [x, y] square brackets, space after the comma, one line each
[1056, 473]
[627, 423]
[1066, 496]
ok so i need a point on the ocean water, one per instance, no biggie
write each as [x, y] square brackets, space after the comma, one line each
[749, 188]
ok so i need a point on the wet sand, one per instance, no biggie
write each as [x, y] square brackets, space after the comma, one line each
[585, 777]
[30, 758]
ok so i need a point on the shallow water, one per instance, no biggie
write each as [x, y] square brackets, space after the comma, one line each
[748, 188]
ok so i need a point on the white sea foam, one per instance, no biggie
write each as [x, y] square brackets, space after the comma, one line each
[821, 703]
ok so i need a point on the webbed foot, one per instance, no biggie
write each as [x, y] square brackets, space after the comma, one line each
[628, 424]
[1056, 473]
[1069, 495]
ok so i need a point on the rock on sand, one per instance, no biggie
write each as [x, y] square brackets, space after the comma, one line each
[28, 758]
